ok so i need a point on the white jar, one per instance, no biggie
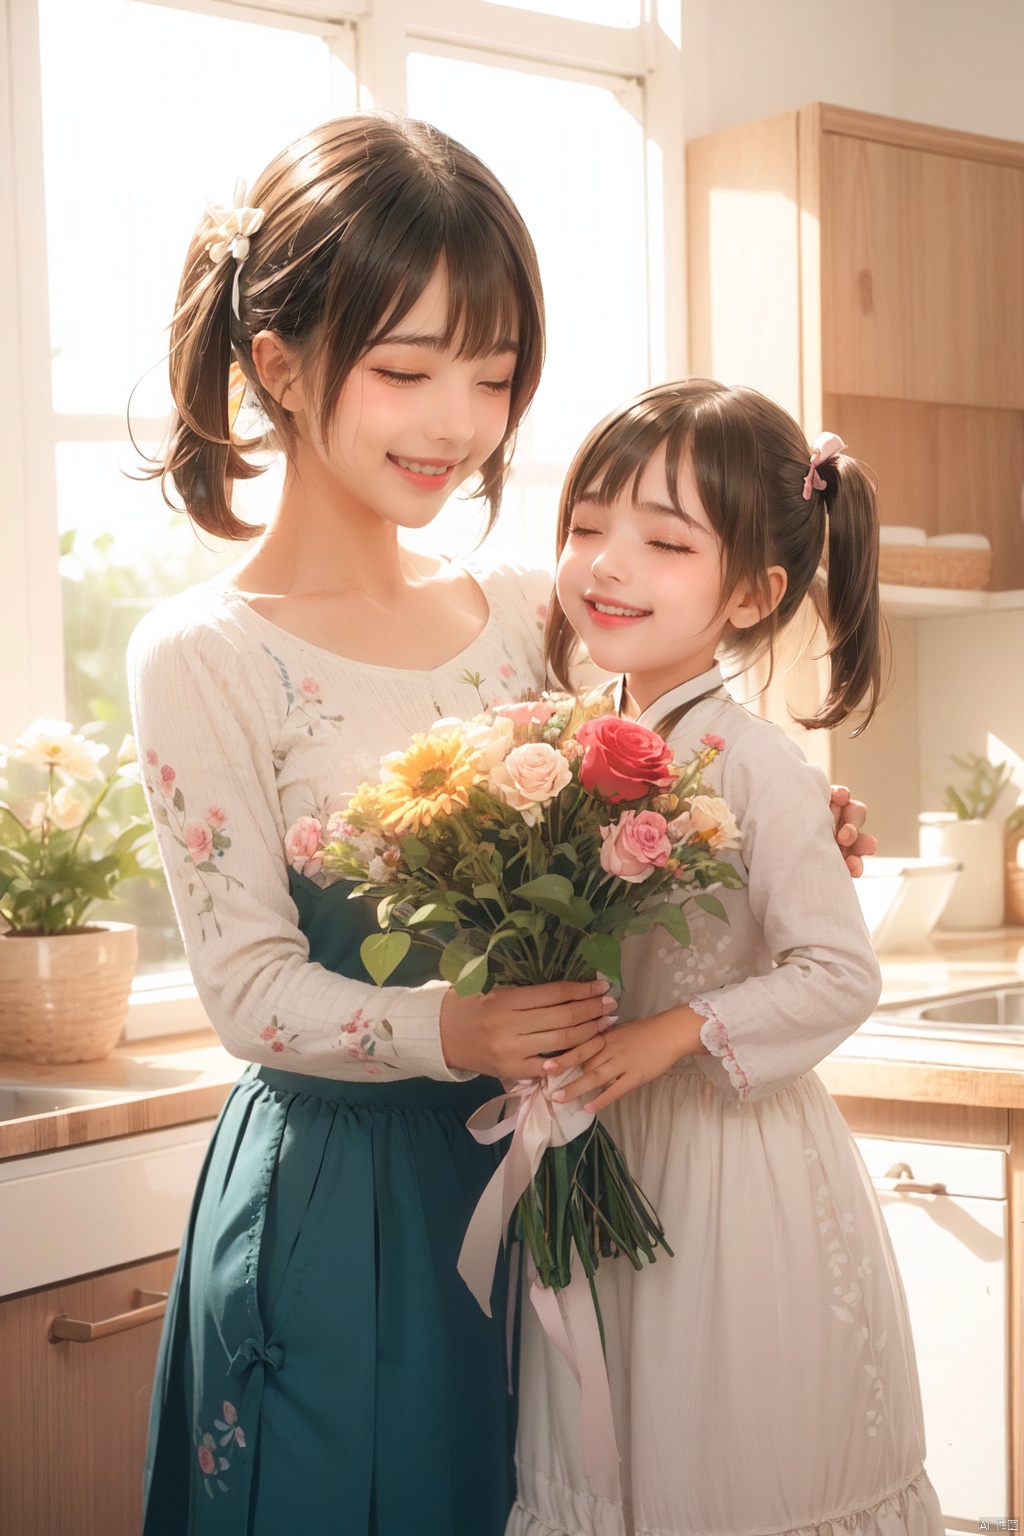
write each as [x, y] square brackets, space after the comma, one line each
[977, 897]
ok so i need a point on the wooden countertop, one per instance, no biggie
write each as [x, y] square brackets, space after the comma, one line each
[177, 1078]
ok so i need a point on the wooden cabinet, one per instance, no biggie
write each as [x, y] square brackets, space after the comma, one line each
[869, 274]
[74, 1415]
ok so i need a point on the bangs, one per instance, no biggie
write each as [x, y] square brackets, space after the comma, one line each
[618, 456]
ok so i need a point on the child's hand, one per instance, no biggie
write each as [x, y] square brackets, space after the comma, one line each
[633, 1054]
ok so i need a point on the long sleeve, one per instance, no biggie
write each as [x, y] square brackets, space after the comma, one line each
[770, 1028]
[205, 722]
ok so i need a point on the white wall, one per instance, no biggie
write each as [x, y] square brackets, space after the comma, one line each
[956, 63]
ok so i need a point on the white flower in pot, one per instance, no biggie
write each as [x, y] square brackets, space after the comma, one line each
[964, 832]
[65, 846]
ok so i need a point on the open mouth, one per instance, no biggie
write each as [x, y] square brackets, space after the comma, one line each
[430, 474]
[614, 615]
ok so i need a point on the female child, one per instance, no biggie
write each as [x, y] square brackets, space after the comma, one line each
[763, 1379]
[323, 1368]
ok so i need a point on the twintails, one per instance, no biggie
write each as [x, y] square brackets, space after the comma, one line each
[751, 462]
[357, 216]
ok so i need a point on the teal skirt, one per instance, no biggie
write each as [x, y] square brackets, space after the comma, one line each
[323, 1367]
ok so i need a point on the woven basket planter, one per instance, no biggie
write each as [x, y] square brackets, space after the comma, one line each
[923, 565]
[64, 997]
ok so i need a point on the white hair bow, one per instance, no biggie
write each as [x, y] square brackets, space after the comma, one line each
[230, 237]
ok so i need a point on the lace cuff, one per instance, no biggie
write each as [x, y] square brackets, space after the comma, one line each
[716, 1037]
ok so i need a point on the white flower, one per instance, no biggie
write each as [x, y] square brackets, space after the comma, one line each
[529, 778]
[127, 752]
[489, 744]
[53, 744]
[713, 821]
[65, 811]
[379, 870]
[30, 812]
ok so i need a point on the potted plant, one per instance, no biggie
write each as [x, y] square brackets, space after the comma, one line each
[964, 832]
[65, 845]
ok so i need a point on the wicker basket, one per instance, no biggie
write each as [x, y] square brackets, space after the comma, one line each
[64, 997]
[928, 565]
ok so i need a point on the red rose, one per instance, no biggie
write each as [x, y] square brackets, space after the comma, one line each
[623, 760]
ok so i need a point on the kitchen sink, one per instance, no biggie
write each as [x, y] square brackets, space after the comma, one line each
[20, 1099]
[994, 1014]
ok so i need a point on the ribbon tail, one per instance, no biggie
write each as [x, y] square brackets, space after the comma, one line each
[570, 1322]
[489, 1222]
[480, 1246]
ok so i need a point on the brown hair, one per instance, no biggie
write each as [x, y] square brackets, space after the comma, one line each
[357, 215]
[750, 459]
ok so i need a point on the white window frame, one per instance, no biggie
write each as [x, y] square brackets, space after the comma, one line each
[385, 32]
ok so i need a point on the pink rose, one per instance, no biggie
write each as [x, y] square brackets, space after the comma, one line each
[151, 758]
[266, 1033]
[230, 1413]
[717, 742]
[277, 1045]
[198, 841]
[310, 687]
[529, 777]
[206, 1460]
[167, 777]
[623, 760]
[302, 845]
[526, 712]
[635, 845]
[215, 818]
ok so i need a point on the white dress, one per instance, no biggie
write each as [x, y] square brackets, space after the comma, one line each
[763, 1379]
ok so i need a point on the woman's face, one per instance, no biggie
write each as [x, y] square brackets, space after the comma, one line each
[413, 420]
[641, 583]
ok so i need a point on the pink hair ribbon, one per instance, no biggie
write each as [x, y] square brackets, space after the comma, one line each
[825, 446]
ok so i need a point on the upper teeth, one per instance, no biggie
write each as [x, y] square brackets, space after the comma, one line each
[631, 613]
[423, 469]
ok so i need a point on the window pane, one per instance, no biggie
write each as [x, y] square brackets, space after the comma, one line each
[123, 549]
[162, 118]
[607, 13]
[572, 156]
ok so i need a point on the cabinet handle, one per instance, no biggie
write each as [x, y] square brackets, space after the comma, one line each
[147, 1307]
[900, 1181]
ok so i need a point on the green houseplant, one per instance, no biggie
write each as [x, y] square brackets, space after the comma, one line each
[967, 831]
[66, 843]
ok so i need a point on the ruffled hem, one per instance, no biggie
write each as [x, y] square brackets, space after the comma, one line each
[910, 1510]
[715, 1036]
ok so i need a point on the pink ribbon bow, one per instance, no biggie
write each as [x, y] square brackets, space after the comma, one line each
[825, 446]
[567, 1316]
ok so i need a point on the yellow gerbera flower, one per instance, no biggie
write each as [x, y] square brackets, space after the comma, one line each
[430, 778]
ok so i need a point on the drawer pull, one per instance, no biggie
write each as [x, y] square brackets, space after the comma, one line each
[900, 1181]
[147, 1307]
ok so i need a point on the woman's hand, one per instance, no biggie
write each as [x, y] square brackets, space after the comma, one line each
[509, 1031]
[633, 1054]
[849, 817]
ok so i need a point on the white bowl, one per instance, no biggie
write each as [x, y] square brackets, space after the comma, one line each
[902, 899]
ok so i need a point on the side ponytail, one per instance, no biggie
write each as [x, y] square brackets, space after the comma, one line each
[201, 458]
[848, 601]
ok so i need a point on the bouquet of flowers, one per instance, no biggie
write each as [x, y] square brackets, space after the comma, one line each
[524, 844]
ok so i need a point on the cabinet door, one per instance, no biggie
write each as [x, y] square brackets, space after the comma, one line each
[74, 1416]
[922, 274]
[953, 1256]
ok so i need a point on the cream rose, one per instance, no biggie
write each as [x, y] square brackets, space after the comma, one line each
[714, 823]
[529, 778]
[65, 811]
[53, 744]
[489, 744]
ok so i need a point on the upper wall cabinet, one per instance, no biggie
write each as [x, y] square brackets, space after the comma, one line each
[869, 274]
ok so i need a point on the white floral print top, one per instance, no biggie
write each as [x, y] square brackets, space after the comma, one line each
[243, 729]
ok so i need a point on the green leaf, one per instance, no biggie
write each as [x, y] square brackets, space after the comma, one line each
[454, 957]
[473, 976]
[487, 891]
[713, 905]
[547, 888]
[605, 954]
[67, 540]
[431, 912]
[415, 853]
[615, 916]
[382, 952]
[179, 801]
[670, 917]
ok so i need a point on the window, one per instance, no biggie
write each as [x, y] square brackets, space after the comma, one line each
[129, 114]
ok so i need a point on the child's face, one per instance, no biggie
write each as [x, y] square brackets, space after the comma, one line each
[413, 421]
[641, 585]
